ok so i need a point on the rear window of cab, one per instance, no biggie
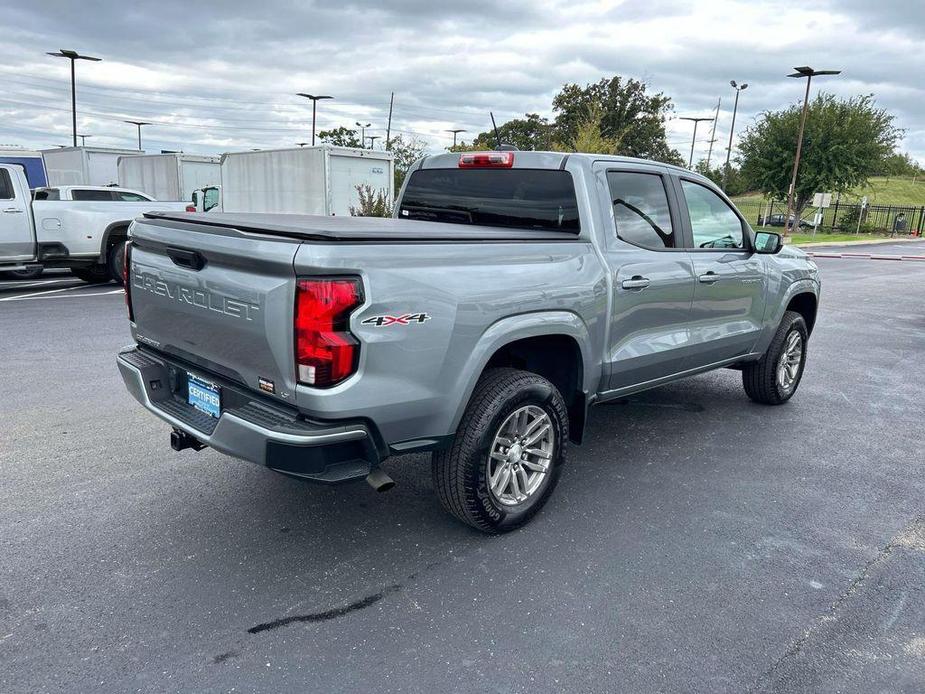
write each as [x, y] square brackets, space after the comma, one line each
[541, 199]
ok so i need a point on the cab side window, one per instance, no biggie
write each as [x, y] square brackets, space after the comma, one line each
[6, 186]
[640, 209]
[713, 223]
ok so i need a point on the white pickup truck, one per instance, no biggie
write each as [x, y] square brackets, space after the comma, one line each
[78, 227]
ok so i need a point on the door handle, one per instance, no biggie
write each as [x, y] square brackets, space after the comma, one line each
[12, 210]
[709, 277]
[635, 282]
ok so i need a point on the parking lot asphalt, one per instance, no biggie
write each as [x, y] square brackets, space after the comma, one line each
[696, 542]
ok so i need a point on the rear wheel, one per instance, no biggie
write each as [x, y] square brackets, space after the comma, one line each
[774, 378]
[30, 273]
[508, 452]
[116, 262]
[94, 274]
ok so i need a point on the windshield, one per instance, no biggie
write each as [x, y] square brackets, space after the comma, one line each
[541, 199]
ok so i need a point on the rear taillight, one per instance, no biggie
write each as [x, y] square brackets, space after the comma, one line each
[127, 279]
[190, 208]
[326, 352]
[486, 160]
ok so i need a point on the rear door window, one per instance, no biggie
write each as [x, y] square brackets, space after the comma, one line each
[125, 196]
[542, 199]
[640, 209]
[92, 195]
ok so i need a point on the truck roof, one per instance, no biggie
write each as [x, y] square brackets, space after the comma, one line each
[535, 159]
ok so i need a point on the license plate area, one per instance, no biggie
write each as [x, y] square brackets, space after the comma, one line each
[204, 395]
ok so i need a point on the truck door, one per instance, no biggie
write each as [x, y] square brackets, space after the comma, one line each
[729, 292]
[653, 279]
[17, 241]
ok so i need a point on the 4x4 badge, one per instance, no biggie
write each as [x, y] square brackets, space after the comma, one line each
[407, 319]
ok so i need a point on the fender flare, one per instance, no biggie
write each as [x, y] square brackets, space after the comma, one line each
[114, 226]
[518, 327]
[805, 285]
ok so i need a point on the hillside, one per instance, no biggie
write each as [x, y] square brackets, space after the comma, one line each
[894, 190]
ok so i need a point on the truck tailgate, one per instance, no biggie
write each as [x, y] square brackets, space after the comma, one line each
[220, 299]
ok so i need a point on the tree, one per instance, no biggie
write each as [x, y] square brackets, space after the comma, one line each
[372, 203]
[340, 137]
[589, 138]
[406, 152]
[844, 143]
[628, 115]
[532, 132]
[898, 164]
[736, 184]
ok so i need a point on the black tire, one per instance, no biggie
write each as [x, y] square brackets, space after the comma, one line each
[116, 262]
[461, 472]
[30, 273]
[760, 377]
[93, 274]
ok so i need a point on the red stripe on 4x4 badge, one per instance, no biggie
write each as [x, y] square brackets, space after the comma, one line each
[406, 319]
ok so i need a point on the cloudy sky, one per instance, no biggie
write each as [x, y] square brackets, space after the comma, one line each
[222, 76]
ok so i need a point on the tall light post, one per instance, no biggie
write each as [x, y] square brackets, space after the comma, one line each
[372, 140]
[808, 73]
[455, 132]
[739, 88]
[83, 139]
[362, 128]
[73, 56]
[301, 144]
[315, 99]
[697, 121]
[138, 124]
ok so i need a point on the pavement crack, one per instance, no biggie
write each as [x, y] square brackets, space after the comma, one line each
[912, 536]
[326, 615]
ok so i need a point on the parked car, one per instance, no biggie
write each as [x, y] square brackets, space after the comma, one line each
[83, 228]
[777, 220]
[512, 291]
[91, 194]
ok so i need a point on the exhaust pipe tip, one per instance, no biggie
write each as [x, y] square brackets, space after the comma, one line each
[379, 481]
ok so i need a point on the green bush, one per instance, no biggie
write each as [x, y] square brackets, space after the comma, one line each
[372, 203]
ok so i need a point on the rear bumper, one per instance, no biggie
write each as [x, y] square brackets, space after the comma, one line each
[252, 429]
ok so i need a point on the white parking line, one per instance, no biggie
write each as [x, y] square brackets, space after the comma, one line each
[12, 284]
[33, 297]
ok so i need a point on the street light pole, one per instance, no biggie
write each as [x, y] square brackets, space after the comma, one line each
[73, 56]
[138, 124]
[735, 108]
[808, 73]
[363, 133]
[697, 121]
[315, 99]
[372, 140]
[83, 139]
[455, 132]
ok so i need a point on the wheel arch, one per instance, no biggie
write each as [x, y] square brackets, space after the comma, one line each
[113, 233]
[806, 303]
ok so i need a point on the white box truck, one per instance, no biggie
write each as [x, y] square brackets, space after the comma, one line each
[84, 166]
[305, 180]
[169, 176]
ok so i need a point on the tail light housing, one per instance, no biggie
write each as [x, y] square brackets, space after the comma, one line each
[486, 160]
[190, 208]
[326, 353]
[127, 279]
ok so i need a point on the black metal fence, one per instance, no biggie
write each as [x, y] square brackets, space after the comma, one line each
[904, 219]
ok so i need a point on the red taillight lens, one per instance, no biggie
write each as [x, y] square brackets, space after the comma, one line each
[127, 279]
[190, 208]
[486, 160]
[325, 351]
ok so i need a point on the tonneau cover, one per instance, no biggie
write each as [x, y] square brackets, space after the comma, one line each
[347, 229]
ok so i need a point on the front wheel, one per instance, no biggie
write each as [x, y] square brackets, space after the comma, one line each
[508, 452]
[773, 379]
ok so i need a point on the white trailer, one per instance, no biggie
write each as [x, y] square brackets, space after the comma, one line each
[306, 180]
[84, 166]
[169, 176]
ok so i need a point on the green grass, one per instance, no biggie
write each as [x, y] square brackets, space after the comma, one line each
[798, 239]
[893, 190]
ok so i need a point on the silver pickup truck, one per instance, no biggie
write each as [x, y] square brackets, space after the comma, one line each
[511, 291]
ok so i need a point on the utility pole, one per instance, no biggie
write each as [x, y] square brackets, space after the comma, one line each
[713, 133]
[372, 140]
[735, 108]
[315, 99]
[455, 132]
[362, 128]
[808, 73]
[73, 56]
[388, 128]
[697, 121]
[138, 124]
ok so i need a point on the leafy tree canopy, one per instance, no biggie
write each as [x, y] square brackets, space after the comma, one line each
[844, 143]
[340, 137]
[406, 152]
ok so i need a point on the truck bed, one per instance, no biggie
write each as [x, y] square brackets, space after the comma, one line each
[352, 229]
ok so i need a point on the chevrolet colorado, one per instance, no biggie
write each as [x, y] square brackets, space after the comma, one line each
[511, 291]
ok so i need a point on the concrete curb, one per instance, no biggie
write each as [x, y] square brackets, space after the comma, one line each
[856, 243]
[868, 256]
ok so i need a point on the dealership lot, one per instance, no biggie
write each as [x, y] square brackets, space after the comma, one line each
[696, 542]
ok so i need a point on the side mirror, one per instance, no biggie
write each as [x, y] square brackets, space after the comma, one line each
[768, 242]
